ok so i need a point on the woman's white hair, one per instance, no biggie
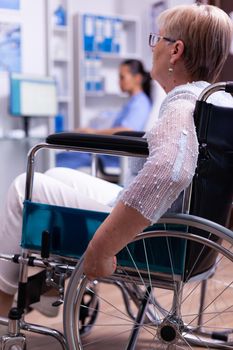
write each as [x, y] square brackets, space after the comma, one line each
[206, 32]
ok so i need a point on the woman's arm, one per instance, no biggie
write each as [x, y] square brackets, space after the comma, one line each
[167, 172]
[120, 228]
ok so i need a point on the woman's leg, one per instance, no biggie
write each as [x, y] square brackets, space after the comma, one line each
[86, 185]
[59, 187]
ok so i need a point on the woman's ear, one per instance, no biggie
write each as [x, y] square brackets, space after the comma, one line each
[138, 78]
[177, 51]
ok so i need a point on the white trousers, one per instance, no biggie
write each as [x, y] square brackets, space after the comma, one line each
[58, 186]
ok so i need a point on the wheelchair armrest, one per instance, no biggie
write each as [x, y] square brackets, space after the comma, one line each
[134, 145]
[130, 133]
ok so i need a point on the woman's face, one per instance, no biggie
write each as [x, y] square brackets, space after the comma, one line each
[127, 80]
[161, 60]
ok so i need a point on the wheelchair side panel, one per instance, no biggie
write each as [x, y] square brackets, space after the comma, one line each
[71, 229]
[162, 255]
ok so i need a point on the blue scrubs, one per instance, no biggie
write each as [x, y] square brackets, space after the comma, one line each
[133, 115]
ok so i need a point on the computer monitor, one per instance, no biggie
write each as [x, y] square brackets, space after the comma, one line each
[32, 96]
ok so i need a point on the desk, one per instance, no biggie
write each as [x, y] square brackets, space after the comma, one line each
[14, 160]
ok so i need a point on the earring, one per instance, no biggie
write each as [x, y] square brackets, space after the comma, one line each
[170, 70]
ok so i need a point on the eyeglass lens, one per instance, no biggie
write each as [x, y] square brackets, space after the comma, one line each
[153, 39]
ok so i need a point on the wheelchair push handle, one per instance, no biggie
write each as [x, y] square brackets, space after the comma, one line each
[209, 90]
[229, 87]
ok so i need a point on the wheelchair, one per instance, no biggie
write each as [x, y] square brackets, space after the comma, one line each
[174, 280]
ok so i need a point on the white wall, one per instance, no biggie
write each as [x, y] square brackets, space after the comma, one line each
[32, 19]
[97, 7]
[179, 2]
[33, 36]
[142, 10]
[33, 26]
[31, 16]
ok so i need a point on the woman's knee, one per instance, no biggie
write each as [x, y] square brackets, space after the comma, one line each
[17, 190]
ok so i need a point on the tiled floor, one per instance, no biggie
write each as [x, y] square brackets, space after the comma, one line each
[108, 331]
[38, 342]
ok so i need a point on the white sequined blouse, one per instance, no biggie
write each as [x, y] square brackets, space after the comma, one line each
[173, 152]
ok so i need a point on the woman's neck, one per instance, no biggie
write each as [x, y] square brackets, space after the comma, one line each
[176, 83]
[135, 91]
[178, 77]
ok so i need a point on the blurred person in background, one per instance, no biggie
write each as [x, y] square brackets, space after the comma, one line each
[135, 81]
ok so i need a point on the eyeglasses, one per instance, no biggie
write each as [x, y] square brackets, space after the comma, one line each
[155, 38]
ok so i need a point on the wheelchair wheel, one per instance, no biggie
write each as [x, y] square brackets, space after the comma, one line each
[89, 311]
[169, 309]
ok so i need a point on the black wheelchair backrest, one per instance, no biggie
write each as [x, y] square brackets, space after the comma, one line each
[212, 188]
[213, 181]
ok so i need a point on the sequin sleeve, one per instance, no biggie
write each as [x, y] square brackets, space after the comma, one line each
[170, 166]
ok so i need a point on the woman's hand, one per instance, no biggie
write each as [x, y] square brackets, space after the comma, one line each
[117, 230]
[85, 130]
[97, 265]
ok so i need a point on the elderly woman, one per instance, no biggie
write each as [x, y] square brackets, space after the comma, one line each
[188, 53]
